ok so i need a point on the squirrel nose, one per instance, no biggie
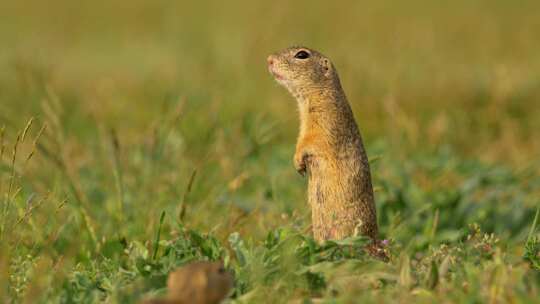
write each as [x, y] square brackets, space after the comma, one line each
[270, 60]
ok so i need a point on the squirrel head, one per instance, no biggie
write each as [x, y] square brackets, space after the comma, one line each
[300, 69]
[203, 282]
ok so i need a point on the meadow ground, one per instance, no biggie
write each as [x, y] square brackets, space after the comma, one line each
[138, 136]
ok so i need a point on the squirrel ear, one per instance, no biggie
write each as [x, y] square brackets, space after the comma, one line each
[327, 67]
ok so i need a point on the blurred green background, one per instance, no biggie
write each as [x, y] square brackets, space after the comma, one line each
[420, 68]
[153, 106]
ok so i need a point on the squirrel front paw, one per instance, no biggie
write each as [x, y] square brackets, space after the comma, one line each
[300, 162]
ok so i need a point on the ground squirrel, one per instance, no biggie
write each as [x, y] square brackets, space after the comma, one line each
[197, 283]
[329, 146]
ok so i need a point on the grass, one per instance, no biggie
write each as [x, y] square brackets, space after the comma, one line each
[134, 139]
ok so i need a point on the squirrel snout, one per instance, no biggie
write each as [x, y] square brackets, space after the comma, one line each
[273, 67]
[270, 60]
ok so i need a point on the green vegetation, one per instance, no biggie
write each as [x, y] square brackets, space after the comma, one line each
[138, 136]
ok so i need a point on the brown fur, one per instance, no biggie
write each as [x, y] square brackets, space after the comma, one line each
[197, 283]
[329, 147]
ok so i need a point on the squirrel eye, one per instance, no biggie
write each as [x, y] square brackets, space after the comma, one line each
[221, 270]
[302, 55]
